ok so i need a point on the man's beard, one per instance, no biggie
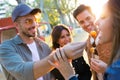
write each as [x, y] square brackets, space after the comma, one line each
[29, 35]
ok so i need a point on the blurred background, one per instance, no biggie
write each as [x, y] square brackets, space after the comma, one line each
[53, 12]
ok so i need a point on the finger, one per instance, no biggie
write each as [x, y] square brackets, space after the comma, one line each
[96, 62]
[95, 66]
[63, 55]
[53, 64]
[59, 55]
[93, 61]
[56, 57]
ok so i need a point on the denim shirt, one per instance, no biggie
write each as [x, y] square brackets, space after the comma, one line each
[16, 58]
[113, 71]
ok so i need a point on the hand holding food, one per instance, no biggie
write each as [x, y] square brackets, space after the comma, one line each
[62, 64]
[98, 65]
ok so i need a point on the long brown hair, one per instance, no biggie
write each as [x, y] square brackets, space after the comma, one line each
[114, 7]
[56, 33]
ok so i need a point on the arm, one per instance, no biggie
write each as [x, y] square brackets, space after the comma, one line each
[20, 69]
[72, 51]
[42, 67]
[16, 67]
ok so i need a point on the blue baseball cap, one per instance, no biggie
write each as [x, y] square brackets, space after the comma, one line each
[22, 10]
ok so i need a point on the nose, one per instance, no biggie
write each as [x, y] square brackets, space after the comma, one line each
[86, 23]
[33, 26]
[34, 23]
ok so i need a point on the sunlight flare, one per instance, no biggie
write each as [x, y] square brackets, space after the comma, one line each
[96, 5]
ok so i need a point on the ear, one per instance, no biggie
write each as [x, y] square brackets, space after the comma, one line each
[16, 24]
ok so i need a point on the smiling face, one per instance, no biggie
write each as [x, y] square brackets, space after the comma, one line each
[65, 38]
[27, 26]
[104, 23]
[86, 20]
[61, 36]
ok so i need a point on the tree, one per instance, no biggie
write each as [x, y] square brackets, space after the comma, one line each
[21, 1]
[53, 11]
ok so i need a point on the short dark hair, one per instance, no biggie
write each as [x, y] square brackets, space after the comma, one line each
[80, 9]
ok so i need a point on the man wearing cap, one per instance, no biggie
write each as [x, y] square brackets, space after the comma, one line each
[26, 44]
[25, 57]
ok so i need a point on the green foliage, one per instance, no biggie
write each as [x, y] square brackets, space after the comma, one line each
[65, 6]
[53, 17]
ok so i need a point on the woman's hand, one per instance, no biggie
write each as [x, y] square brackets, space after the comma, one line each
[98, 65]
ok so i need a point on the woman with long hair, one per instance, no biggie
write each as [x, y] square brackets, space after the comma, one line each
[61, 35]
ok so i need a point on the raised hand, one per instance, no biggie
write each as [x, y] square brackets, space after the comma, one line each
[62, 64]
[98, 65]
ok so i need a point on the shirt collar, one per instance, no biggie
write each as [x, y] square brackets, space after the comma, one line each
[18, 39]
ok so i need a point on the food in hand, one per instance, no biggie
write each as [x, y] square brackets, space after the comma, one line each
[92, 50]
[94, 53]
[93, 34]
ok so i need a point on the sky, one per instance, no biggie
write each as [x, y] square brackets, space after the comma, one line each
[12, 2]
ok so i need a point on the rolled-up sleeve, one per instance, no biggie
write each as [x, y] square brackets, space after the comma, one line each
[14, 64]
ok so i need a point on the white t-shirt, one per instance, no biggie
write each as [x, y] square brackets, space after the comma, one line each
[35, 55]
